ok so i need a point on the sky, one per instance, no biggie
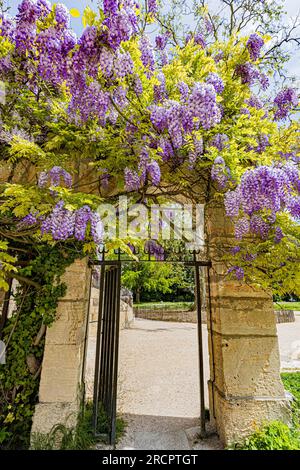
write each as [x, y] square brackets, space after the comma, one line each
[291, 6]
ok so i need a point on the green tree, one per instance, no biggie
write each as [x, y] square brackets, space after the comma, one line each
[154, 278]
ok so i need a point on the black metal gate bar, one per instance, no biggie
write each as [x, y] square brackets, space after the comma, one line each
[106, 362]
[113, 411]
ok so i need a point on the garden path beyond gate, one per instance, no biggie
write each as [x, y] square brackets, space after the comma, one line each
[108, 331]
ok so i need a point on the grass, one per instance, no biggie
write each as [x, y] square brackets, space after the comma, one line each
[287, 306]
[187, 305]
[291, 382]
[165, 305]
[80, 437]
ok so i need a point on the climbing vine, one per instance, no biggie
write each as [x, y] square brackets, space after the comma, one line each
[36, 299]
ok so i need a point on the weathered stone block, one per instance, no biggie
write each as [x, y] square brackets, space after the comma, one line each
[75, 278]
[248, 366]
[47, 415]
[69, 328]
[243, 316]
[237, 419]
[60, 374]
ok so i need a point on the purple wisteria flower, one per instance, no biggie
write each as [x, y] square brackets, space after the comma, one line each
[285, 101]
[254, 45]
[160, 91]
[216, 81]
[238, 271]
[154, 249]
[199, 39]
[63, 224]
[28, 221]
[251, 75]
[147, 54]
[220, 173]
[278, 235]
[132, 180]
[152, 6]
[254, 102]
[219, 141]
[265, 188]
[153, 171]
[54, 177]
[110, 6]
[62, 15]
[161, 41]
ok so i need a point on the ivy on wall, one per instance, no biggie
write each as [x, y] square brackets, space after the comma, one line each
[36, 299]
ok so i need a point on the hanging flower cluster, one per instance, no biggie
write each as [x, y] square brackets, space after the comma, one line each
[63, 224]
[261, 194]
[54, 177]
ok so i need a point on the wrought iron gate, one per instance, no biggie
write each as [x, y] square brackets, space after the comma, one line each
[107, 349]
[107, 345]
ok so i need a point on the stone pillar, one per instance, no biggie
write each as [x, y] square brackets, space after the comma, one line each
[60, 386]
[245, 387]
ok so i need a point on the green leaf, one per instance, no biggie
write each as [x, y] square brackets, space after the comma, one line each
[75, 13]
[88, 17]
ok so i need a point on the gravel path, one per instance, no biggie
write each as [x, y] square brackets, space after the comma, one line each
[159, 387]
[289, 344]
[158, 369]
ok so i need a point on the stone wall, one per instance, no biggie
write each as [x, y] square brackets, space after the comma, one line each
[284, 316]
[180, 316]
[245, 386]
[60, 386]
[126, 310]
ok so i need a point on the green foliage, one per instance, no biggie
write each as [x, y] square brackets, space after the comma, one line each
[277, 435]
[6, 264]
[291, 382]
[156, 278]
[80, 437]
[36, 302]
[287, 306]
[166, 305]
[272, 436]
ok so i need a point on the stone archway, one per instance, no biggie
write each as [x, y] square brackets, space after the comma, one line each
[245, 387]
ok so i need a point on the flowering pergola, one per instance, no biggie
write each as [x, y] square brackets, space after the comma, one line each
[119, 112]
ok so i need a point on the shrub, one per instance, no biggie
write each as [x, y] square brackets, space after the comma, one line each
[272, 436]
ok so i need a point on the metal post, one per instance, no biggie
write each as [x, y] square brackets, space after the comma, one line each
[116, 355]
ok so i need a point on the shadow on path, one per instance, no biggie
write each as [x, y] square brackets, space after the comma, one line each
[146, 432]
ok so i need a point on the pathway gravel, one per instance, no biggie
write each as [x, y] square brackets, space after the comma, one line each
[158, 391]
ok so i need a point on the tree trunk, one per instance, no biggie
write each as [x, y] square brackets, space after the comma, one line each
[138, 295]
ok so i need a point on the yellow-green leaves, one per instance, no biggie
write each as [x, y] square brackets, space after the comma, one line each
[75, 13]
[23, 148]
[6, 265]
[88, 17]
[21, 200]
